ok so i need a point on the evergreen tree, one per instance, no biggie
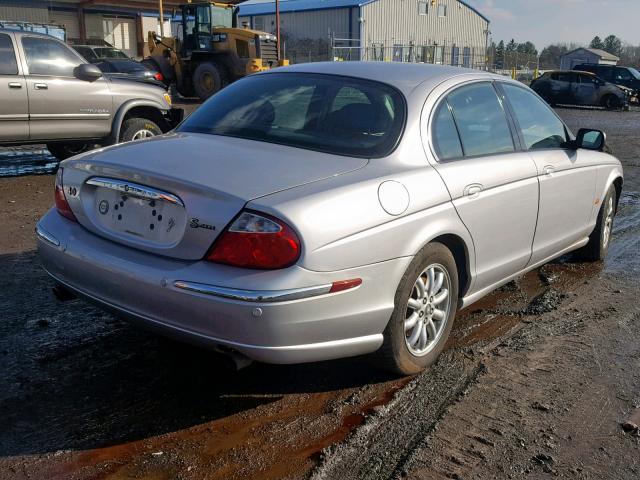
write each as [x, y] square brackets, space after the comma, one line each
[596, 43]
[613, 45]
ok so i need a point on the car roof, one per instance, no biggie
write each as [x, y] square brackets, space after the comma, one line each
[20, 33]
[404, 76]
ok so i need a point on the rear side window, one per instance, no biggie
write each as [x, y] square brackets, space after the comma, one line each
[49, 57]
[87, 53]
[445, 135]
[540, 127]
[334, 114]
[8, 64]
[481, 120]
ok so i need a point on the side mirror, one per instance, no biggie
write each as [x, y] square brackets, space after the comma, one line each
[591, 139]
[87, 72]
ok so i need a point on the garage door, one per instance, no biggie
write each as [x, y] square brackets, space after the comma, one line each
[121, 33]
[69, 20]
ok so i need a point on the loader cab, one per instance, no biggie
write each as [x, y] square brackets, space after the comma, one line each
[199, 22]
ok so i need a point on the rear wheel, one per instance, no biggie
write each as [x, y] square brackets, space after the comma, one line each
[425, 306]
[138, 129]
[599, 240]
[208, 79]
[65, 150]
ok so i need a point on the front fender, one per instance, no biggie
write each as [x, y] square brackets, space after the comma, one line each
[118, 118]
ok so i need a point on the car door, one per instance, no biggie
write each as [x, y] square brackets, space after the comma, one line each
[566, 176]
[14, 110]
[62, 106]
[584, 88]
[560, 90]
[493, 186]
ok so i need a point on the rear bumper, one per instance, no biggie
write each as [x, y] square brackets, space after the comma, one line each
[296, 322]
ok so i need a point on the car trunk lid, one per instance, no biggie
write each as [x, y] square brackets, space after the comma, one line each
[173, 195]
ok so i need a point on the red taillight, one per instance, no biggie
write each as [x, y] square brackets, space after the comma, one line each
[158, 76]
[257, 241]
[61, 200]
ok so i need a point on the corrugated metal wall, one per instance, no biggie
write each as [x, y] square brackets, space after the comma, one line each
[399, 21]
[70, 22]
[19, 13]
[314, 24]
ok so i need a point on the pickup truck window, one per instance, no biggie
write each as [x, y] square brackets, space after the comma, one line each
[8, 64]
[49, 57]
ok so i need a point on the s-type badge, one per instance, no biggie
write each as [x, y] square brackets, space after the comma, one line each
[103, 207]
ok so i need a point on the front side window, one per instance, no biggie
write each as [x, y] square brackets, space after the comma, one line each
[339, 115]
[49, 57]
[541, 128]
[623, 74]
[86, 52]
[481, 120]
[8, 64]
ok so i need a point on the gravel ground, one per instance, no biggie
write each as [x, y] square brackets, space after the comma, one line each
[537, 379]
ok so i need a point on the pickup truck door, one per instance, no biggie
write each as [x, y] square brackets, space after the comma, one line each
[566, 177]
[62, 106]
[14, 110]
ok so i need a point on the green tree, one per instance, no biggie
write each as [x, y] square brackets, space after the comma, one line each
[499, 58]
[512, 46]
[613, 45]
[527, 48]
[550, 56]
[596, 43]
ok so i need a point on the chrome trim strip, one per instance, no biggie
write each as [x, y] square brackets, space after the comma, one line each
[46, 236]
[254, 296]
[134, 190]
[70, 116]
[18, 116]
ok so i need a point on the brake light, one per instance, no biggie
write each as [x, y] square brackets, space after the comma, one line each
[158, 76]
[257, 241]
[61, 200]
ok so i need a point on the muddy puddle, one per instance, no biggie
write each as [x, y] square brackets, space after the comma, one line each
[33, 160]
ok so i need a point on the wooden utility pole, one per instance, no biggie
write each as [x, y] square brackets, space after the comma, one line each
[278, 26]
[161, 18]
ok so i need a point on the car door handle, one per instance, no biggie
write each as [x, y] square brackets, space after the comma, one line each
[16, 85]
[40, 86]
[472, 190]
[549, 169]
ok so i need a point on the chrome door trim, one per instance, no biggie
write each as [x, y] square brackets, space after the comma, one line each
[254, 296]
[70, 116]
[17, 116]
[134, 190]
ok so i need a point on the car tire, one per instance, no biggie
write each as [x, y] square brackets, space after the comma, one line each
[209, 78]
[399, 352]
[138, 129]
[599, 240]
[65, 150]
[611, 102]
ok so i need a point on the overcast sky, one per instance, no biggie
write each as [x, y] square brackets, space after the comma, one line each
[550, 21]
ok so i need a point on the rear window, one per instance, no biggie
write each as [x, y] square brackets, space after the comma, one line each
[328, 113]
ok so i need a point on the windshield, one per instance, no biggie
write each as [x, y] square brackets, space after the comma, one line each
[635, 73]
[339, 115]
[106, 52]
[221, 17]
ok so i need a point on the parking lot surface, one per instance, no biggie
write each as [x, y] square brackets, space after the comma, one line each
[538, 379]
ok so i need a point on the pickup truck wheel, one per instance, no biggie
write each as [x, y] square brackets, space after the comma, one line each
[138, 129]
[425, 307]
[62, 151]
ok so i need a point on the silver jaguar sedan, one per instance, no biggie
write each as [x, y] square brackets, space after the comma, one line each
[332, 209]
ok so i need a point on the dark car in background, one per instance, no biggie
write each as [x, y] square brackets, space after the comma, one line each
[623, 76]
[580, 88]
[115, 63]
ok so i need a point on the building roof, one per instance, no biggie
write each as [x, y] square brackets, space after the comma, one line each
[596, 51]
[264, 7]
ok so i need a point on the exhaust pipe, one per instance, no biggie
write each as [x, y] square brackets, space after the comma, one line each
[62, 294]
[239, 361]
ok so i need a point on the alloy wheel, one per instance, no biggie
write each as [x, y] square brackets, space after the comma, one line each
[142, 134]
[427, 310]
[608, 222]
